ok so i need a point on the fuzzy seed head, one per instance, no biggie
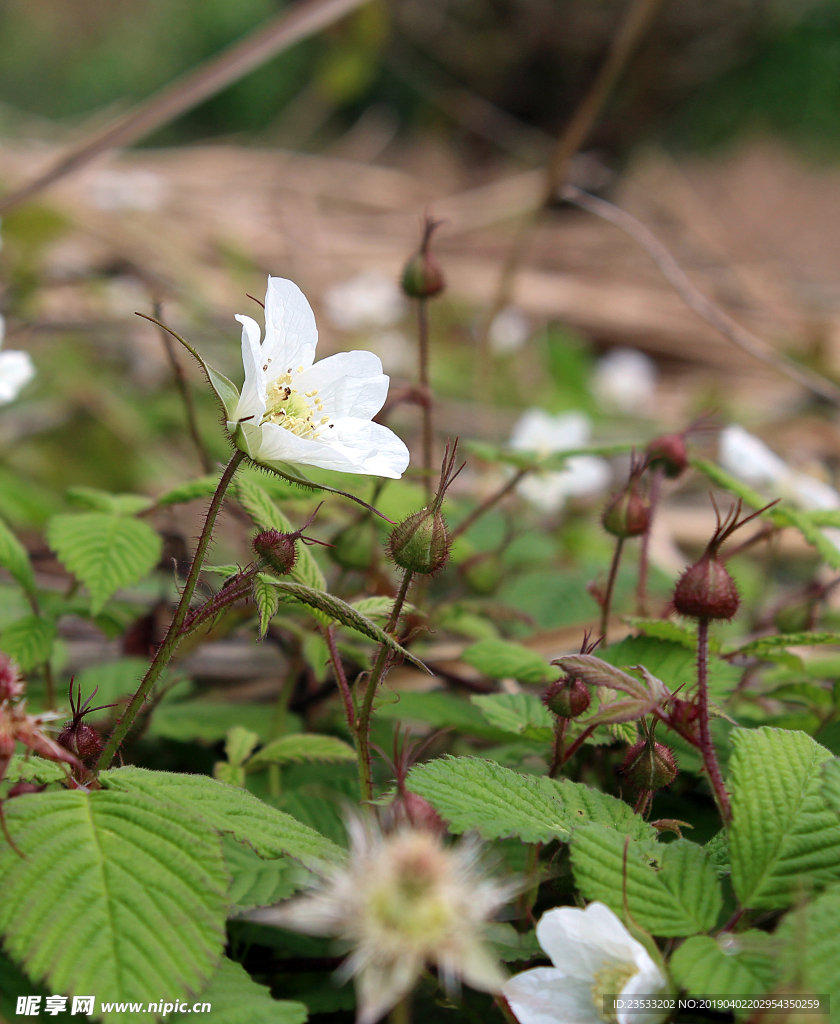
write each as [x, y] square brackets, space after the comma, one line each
[627, 514]
[421, 542]
[278, 549]
[706, 590]
[567, 698]
[668, 452]
[649, 765]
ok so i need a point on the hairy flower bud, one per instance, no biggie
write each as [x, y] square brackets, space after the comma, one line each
[706, 590]
[82, 740]
[421, 542]
[567, 698]
[353, 547]
[668, 452]
[649, 765]
[627, 514]
[278, 549]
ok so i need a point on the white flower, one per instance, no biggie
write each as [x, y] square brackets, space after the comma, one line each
[593, 955]
[509, 330]
[401, 902]
[370, 299]
[625, 380]
[294, 411]
[540, 432]
[16, 370]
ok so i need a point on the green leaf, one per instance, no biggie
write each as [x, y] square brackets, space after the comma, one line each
[768, 644]
[267, 516]
[266, 599]
[734, 965]
[671, 662]
[15, 560]
[501, 659]
[718, 849]
[239, 744]
[33, 769]
[521, 713]
[511, 946]
[229, 774]
[442, 711]
[810, 940]
[29, 641]
[300, 747]
[256, 882]
[104, 551]
[379, 607]
[342, 612]
[784, 838]
[672, 889]
[201, 487]
[664, 629]
[103, 501]
[237, 999]
[108, 882]
[470, 793]
[208, 720]
[271, 833]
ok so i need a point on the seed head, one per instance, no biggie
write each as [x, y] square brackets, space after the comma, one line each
[567, 698]
[77, 736]
[278, 549]
[649, 765]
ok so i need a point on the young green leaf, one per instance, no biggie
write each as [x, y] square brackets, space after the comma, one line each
[809, 937]
[103, 501]
[671, 889]
[105, 551]
[34, 769]
[201, 487]
[470, 793]
[256, 882]
[237, 999]
[208, 720]
[239, 744]
[523, 714]
[501, 659]
[266, 598]
[784, 837]
[768, 644]
[672, 662]
[269, 832]
[300, 747]
[732, 965]
[29, 641]
[149, 887]
[15, 560]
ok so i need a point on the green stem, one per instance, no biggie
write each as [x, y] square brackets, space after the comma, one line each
[173, 634]
[363, 721]
[707, 747]
[607, 605]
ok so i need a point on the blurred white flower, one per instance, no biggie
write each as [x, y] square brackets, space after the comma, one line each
[128, 190]
[370, 299]
[509, 330]
[291, 411]
[625, 380]
[538, 431]
[16, 370]
[594, 956]
[402, 901]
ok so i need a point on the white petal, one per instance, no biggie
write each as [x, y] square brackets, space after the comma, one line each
[290, 332]
[479, 969]
[625, 380]
[808, 492]
[16, 371]
[380, 986]
[649, 981]
[545, 491]
[252, 399]
[749, 459]
[354, 446]
[539, 431]
[545, 996]
[348, 383]
[581, 942]
[583, 475]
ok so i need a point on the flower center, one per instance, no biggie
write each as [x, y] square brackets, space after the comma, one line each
[610, 981]
[295, 410]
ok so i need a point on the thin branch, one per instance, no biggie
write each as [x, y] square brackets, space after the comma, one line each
[303, 19]
[743, 339]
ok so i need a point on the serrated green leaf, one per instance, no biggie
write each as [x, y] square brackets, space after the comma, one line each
[148, 887]
[267, 516]
[301, 747]
[379, 607]
[470, 793]
[230, 774]
[767, 644]
[237, 999]
[501, 659]
[671, 662]
[104, 501]
[239, 744]
[271, 833]
[523, 714]
[672, 890]
[15, 560]
[734, 965]
[256, 882]
[809, 937]
[663, 629]
[266, 599]
[316, 654]
[784, 838]
[223, 570]
[104, 551]
[29, 641]
[34, 769]
[718, 849]
[201, 487]
[342, 612]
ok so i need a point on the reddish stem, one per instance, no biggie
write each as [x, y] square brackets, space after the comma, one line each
[341, 678]
[707, 748]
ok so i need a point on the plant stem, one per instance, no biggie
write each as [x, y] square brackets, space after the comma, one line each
[578, 743]
[641, 589]
[173, 634]
[340, 676]
[707, 748]
[426, 393]
[362, 729]
[559, 743]
[608, 596]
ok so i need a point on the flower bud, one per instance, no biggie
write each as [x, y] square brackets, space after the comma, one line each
[627, 514]
[649, 765]
[669, 453]
[82, 740]
[353, 547]
[706, 590]
[422, 277]
[421, 542]
[278, 549]
[567, 698]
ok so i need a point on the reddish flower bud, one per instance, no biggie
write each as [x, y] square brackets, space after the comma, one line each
[82, 740]
[567, 698]
[420, 812]
[421, 542]
[649, 765]
[668, 452]
[278, 549]
[422, 277]
[706, 590]
[627, 514]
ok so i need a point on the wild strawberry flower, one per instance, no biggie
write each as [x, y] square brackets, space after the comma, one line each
[594, 956]
[16, 370]
[293, 410]
[540, 432]
[402, 901]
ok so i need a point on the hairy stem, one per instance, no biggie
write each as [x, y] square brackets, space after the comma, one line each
[362, 729]
[340, 676]
[560, 726]
[173, 634]
[707, 748]
[608, 596]
[578, 743]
